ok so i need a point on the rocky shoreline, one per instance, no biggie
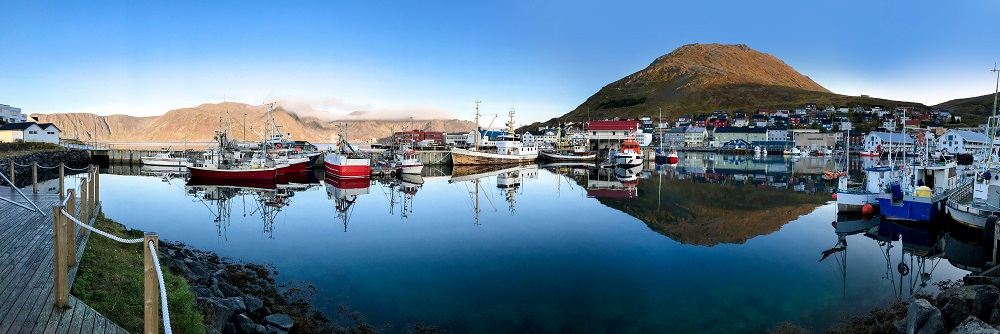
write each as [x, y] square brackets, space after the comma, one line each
[226, 307]
[973, 307]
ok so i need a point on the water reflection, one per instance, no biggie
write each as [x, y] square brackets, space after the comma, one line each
[400, 192]
[508, 180]
[265, 198]
[922, 250]
[345, 193]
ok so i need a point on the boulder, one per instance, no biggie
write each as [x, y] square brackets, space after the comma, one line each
[973, 325]
[216, 311]
[275, 330]
[245, 324]
[228, 290]
[959, 303]
[981, 280]
[252, 303]
[280, 320]
[954, 312]
[924, 318]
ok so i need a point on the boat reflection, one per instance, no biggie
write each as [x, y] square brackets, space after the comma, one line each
[508, 180]
[615, 182]
[266, 197]
[400, 191]
[922, 250]
[345, 192]
[166, 174]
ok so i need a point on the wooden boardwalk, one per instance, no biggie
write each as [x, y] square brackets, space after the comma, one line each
[26, 265]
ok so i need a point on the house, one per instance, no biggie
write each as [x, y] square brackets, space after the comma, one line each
[844, 109]
[855, 138]
[700, 121]
[813, 140]
[889, 124]
[826, 124]
[416, 136]
[911, 124]
[686, 119]
[695, 136]
[725, 135]
[810, 106]
[674, 137]
[541, 137]
[721, 121]
[962, 141]
[740, 121]
[794, 120]
[759, 120]
[29, 132]
[888, 142]
[845, 124]
[10, 114]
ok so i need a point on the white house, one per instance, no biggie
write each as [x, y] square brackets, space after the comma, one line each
[11, 114]
[541, 137]
[886, 141]
[962, 141]
[29, 132]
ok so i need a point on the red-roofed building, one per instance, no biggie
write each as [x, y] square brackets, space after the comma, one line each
[608, 134]
[417, 136]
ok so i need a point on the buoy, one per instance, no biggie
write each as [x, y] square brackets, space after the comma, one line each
[834, 224]
[867, 210]
[834, 195]
[991, 223]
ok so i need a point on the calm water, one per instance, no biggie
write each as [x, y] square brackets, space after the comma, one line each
[716, 244]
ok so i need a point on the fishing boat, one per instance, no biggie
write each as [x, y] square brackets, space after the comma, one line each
[870, 153]
[979, 199]
[630, 153]
[345, 192]
[509, 149]
[165, 158]
[920, 193]
[853, 199]
[671, 157]
[345, 162]
[406, 161]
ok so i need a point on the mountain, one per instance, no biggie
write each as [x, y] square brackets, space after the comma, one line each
[700, 78]
[974, 110]
[198, 124]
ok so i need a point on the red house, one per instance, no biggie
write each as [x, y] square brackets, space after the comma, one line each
[417, 136]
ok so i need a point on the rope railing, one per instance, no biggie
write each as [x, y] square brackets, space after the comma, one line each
[64, 224]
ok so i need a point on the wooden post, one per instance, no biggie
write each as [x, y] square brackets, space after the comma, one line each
[84, 215]
[97, 190]
[34, 177]
[60, 275]
[70, 239]
[71, 207]
[12, 186]
[90, 193]
[62, 181]
[151, 301]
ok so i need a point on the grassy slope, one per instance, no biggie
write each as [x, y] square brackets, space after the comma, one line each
[16, 149]
[110, 280]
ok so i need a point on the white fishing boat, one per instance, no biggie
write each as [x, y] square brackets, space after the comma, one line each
[509, 149]
[630, 153]
[978, 200]
[164, 158]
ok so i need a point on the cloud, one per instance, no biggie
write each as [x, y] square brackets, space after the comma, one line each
[332, 109]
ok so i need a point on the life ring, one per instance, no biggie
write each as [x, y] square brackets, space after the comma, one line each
[903, 269]
[381, 174]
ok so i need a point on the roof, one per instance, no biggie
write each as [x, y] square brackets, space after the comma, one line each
[613, 125]
[18, 126]
[970, 135]
[893, 137]
[740, 130]
[677, 130]
[46, 126]
[695, 129]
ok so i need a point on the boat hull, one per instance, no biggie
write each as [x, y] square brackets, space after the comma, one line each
[967, 214]
[551, 156]
[910, 208]
[150, 161]
[461, 157]
[213, 173]
[853, 202]
[346, 167]
[294, 166]
[627, 159]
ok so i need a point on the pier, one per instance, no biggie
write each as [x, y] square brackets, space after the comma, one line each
[27, 289]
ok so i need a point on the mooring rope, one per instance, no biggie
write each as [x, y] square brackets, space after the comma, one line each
[163, 290]
[98, 231]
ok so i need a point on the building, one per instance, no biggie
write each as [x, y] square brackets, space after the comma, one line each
[418, 136]
[541, 137]
[740, 121]
[609, 134]
[695, 136]
[962, 141]
[812, 139]
[10, 114]
[777, 133]
[457, 138]
[674, 137]
[888, 142]
[29, 132]
[748, 135]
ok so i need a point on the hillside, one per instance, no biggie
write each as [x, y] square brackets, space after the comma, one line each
[198, 124]
[700, 78]
[974, 110]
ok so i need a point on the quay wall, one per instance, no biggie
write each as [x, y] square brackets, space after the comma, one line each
[22, 165]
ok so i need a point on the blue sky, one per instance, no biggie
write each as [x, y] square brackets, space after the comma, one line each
[435, 58]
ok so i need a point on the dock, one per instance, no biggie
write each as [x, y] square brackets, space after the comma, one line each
[26, 272]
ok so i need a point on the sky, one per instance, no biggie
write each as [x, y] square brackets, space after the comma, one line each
[434, 59]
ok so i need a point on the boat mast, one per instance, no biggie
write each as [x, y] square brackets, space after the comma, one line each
[476, 140]
[992, 123]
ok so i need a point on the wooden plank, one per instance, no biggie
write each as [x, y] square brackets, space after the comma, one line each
[99, 324]
[88, 321]
[62, 319]
[76, 323]
[16, 295]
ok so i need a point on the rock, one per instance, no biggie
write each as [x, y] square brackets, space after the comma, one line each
[230, 329]
[280, 320]
[981, 280]
[995, 317]
[900, 325]
[237, 303]
[252, 303]
[228, 290]
[977, 300]
[200, 291]
[955, 311]
[924, 318]
[245, 324]
[275, 330]
[216, 311]
[260, 314]
[973, 325]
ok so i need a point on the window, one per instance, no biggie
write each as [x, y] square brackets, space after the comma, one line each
[32, 132]
[51, 133]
